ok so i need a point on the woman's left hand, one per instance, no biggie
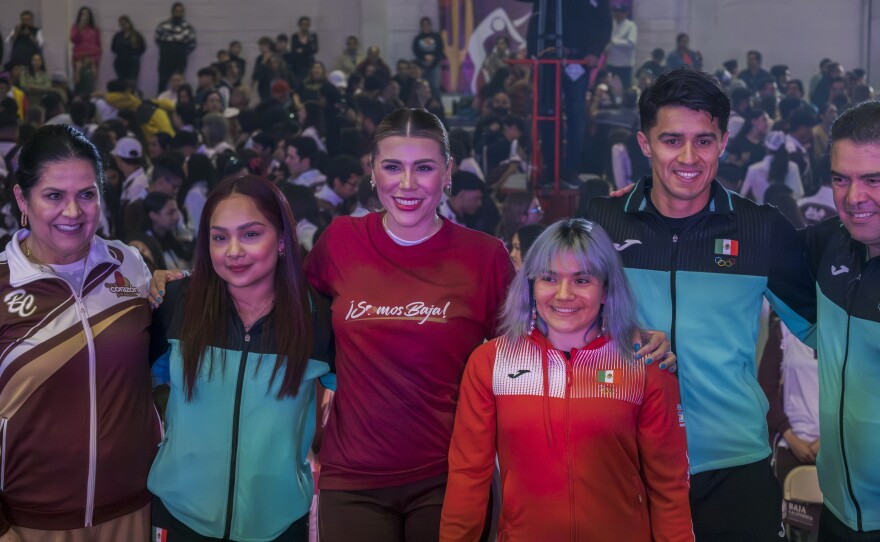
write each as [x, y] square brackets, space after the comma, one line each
[656, 348]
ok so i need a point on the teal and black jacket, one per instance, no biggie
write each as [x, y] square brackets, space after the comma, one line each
[232, 465]
[703, 286]
[848, 291]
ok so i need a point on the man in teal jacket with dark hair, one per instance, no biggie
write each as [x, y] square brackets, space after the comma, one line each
[844, 255]
[700, 260]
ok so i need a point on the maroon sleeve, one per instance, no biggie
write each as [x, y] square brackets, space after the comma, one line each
[501, 276]
[770, 379]
[319, 264]
[663, 453]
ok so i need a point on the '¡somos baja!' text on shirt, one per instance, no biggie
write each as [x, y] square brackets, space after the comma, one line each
[417, 310]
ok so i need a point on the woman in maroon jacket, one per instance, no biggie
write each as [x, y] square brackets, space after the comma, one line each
[590, 441]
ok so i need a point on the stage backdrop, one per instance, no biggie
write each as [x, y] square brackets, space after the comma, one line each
[470, 28]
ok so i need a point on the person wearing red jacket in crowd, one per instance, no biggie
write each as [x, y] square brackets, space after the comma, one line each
[590, 442]
[86, 38]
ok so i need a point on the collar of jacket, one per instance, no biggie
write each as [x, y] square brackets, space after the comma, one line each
[637, 200]
[23, 271]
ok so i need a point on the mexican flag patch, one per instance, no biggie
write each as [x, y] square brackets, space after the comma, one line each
[728, 247]
[605, 376]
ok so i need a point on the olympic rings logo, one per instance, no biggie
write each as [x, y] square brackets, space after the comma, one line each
[721, 262]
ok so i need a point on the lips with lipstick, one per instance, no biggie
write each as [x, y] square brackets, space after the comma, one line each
[407, 204]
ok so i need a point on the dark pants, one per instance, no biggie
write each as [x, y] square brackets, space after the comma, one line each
[127, 68]
[409, 512]
[574, 111]
[172, 58]
[177, 531]
[737, 504]
[832, 529]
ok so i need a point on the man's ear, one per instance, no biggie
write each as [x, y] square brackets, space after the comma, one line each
[644, 144]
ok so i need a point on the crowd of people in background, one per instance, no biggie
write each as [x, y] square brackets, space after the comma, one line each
[316, 133]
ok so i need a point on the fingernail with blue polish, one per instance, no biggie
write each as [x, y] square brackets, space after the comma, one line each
[662, 366]
[649, 361]
[158, 300]
[636, 346]
[161, 292]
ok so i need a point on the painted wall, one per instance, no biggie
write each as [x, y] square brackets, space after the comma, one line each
[798, 33]
[390, 24]
[795, 32]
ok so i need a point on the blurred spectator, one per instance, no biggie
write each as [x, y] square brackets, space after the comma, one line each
[176, 39]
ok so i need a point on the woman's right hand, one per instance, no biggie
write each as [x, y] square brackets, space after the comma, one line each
[800, 448]
[157, 285]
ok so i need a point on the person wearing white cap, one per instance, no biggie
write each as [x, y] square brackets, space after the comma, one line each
[129, 156]
[775, 167]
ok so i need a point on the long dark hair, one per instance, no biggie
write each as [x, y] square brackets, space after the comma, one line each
[207, 305]
[778, 166]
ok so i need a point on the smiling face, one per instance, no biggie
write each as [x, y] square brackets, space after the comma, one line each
[568, 300]
[410, 173]
[63, 209]
[244, 244]
[684, 147]
[855, 180]
[516, 252]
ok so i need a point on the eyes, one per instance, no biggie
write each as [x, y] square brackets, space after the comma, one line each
[677, 142]
[247, 236]
[88, 195]
[871, 182]
[553, 279]
[421, 168]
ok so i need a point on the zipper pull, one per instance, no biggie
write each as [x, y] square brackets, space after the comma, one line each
[675, 238]
[247, 337]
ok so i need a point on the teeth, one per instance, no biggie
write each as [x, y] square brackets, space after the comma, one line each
[67, 227]
[688, 174]
[407, 201]
[564, 311]
[861, 215]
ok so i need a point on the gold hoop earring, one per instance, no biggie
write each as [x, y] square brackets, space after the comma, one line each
[24, 220]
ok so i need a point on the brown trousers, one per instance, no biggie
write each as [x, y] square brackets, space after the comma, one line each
[133, 527]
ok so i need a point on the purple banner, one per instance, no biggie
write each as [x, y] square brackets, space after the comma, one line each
[470, 29]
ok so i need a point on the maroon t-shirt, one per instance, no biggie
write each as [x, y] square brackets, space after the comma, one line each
[405, 319]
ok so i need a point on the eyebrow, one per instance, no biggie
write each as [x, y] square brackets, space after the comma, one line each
[678, 134]
[872, 175]
[242, 227]
[53, 189]
[417, 162]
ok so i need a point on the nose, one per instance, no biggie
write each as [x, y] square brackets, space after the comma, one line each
[407, 180]
[563, 291]
[855, 193]
[687, 155]
[72, 209]
[234, 248]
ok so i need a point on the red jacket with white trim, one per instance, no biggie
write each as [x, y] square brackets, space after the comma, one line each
[591, 448]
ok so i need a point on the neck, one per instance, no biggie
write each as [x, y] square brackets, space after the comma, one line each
[415, 232]
[566, 342]
[671, 207]
[252, 300]
[36, 253]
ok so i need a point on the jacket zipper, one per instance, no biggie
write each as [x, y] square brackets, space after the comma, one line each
[673, 267]
[3, 422]
[93, 412]
[236, 418]
[849, 486]
[568, 451]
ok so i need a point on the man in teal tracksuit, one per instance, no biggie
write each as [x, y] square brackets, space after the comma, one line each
[844, 254]
[700, 259]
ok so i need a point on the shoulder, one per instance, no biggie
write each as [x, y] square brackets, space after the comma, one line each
[343, 227]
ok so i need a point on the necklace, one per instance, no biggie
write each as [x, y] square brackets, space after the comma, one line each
[247, 327]
[438, 223]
